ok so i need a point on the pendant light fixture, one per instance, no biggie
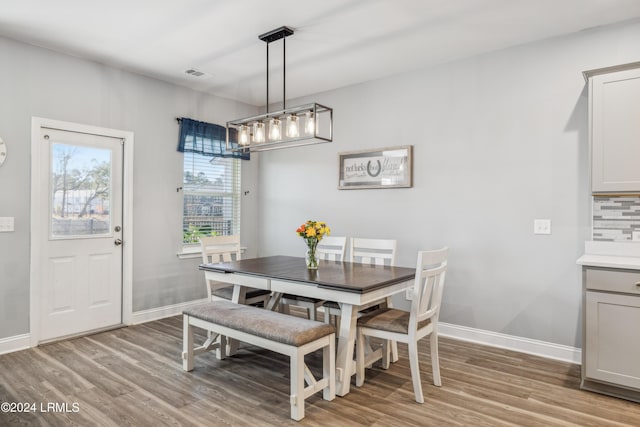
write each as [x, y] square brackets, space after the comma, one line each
[303, 125]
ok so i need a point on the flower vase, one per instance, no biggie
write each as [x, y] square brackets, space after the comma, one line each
[311, 257]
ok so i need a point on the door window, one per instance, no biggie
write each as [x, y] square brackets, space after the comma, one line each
[80, 191]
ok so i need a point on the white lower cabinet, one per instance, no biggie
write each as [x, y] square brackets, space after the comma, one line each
[613, 340]
[611, 351]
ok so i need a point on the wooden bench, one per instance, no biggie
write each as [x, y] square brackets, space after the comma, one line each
[284, 334]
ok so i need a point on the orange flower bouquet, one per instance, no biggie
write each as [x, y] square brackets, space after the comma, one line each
[312, 232]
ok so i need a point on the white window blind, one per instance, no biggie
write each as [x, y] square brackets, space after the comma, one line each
[211, 187]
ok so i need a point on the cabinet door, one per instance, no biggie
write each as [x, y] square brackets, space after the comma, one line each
[615, 131]
[613, 338]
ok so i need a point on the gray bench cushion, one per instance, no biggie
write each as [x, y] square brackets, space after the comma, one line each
[267, 324]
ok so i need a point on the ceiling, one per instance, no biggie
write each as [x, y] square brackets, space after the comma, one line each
[336, 42]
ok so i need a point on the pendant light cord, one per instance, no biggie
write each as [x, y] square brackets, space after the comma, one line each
[268, 38]
[267, 77]
[284, 72]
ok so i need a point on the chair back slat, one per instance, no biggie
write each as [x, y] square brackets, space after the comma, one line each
[373, 251]
[428, 285]
[332, 248]
[219, 249]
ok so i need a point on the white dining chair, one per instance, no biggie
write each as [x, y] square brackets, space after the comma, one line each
[226, 249]
[373, 251]
[330, 248]
[408, 326]
[365, 251]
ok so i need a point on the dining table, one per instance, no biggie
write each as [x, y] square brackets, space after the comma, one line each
[353, 286]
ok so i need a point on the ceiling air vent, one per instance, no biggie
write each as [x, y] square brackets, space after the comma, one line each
[194, 73]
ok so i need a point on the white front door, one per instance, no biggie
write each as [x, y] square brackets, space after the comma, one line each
[79, 224]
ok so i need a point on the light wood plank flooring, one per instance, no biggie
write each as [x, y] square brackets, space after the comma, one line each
[133, 377]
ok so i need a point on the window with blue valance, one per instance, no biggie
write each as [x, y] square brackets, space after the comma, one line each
[208, 139]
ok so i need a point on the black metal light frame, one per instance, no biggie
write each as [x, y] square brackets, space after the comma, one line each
[322, 115]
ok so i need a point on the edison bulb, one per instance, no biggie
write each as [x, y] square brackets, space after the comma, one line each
[292, 126]
[275, 131]
[310, 123]
[258, 132]
[243, 135]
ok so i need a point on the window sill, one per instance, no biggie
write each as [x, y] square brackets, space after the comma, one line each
[190, 252]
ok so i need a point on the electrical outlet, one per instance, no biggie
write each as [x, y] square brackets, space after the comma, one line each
[541, 226]
[409, 294]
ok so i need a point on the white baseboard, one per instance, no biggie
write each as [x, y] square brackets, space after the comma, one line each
[510, 342]
[162, 312]
[21, 342]
[15, 343]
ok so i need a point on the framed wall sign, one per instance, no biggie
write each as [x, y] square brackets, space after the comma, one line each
[390, 167]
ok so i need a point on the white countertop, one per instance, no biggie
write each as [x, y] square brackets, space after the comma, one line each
[611, 255]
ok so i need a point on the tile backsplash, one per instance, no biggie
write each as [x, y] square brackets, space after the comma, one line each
[615, 218]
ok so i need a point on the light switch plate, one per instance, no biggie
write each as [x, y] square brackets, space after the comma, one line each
[6, 224]
[541, 226]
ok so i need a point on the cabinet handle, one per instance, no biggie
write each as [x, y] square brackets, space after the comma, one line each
[637, 283]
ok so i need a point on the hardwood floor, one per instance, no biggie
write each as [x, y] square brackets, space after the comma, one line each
[133, 377]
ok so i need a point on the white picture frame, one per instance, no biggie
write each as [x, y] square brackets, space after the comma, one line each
[389, 167]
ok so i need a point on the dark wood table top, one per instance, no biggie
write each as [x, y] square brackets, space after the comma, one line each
[344, 276]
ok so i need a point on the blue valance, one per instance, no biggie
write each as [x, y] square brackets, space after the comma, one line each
[208, 139]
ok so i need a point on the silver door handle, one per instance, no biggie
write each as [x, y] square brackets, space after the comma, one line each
[117, 242]
[637, 283]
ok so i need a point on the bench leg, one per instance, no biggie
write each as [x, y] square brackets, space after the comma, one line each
[223, 350]
[232, 346]
[329, 368]
[297, 386]
[187, 344]
[239, 297]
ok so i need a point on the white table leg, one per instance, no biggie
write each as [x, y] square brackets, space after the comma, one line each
[273, 302]
[345, 365]
[394, 344]
[239, 294]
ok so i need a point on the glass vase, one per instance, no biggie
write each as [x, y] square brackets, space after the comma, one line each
[311, 257]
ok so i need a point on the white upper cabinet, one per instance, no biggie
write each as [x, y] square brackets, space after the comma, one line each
[614, 117]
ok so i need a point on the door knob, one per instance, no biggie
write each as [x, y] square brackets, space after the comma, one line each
[118, 242]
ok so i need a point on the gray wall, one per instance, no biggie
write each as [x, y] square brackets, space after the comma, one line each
[499, 140]
[43, 83]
